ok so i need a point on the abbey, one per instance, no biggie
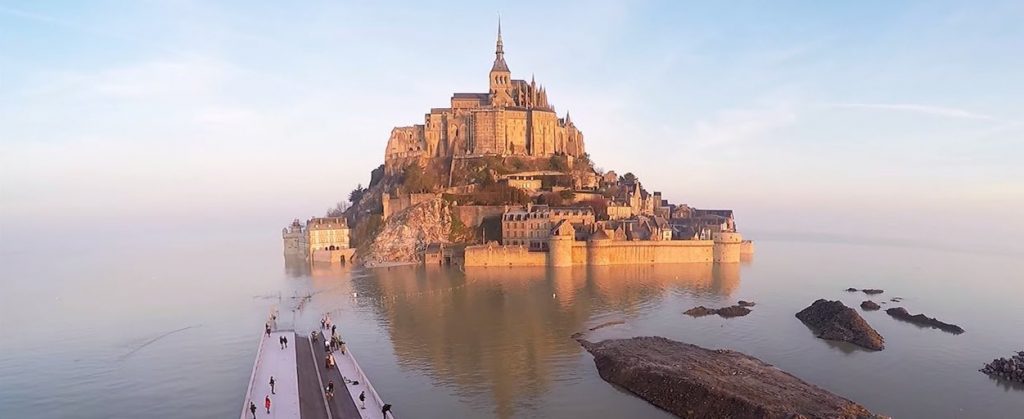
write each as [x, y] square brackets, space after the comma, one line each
[513, 118]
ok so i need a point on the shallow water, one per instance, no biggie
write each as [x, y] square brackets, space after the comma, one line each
[169, 329]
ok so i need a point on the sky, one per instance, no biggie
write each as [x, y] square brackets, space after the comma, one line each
[877, 120]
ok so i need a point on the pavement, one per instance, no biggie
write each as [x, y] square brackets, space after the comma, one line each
[281, 364]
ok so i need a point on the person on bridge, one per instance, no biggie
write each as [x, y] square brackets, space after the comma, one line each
[285, 341]
[268, 328]
[330, 389]
[266, 403]
[252, 408]
[385, 410]
[272, 385]
[362, 400]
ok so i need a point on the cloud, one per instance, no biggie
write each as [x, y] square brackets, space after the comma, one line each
[741, 125]
[915, 108]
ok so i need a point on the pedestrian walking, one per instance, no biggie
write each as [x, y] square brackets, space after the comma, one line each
[285, 341]
[385, 410]
[280, 341]
[334, 329]
[362, 400]
[266, 403]
[268, 328]
[272, 385]
[323, 323]
[252, 408]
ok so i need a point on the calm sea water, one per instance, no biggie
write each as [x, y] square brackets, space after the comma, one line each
[167, 329]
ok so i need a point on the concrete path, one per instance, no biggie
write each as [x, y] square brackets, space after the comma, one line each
[271, 360]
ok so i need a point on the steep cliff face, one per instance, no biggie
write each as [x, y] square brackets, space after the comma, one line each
[403, 237]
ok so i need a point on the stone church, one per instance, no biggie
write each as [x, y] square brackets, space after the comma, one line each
[513, 118]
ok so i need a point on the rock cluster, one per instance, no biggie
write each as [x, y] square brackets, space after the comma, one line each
[869, 291]
[731, 311]
[832, 320]
[1011, 368]
[406, 233]
[693, 382]
[901, 313]
[869, 305]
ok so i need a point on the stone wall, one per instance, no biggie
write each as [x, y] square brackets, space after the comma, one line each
[343, 256]
[747, 247]
[393, 205]
[611, 252]
[496, 255]
[597, 253]
[474, 215]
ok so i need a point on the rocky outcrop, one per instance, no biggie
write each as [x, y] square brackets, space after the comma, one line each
[869, 305]
[1011, 368]
[832, 320]
[403, 236]
[694, 382]
[742, 303]
[731, 311]
[868, 291]
[901, 313]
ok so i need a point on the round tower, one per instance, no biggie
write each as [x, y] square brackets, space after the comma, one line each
[560, 244]
[727, 247]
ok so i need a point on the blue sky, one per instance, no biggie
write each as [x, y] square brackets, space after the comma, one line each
[901, 120]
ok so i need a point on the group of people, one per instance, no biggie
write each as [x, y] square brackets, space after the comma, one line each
[283, 341]
[266, 403]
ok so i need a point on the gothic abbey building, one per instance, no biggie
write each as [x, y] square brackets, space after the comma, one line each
[513, 118]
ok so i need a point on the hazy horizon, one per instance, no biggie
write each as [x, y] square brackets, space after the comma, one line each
[900, 123]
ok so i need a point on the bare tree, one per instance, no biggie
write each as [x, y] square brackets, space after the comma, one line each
[339, 209]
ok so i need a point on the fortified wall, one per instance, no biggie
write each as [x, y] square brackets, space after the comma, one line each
[393, 205]
[563, 253]
[496, 255]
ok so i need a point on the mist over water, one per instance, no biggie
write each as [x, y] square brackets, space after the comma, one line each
[166, 325]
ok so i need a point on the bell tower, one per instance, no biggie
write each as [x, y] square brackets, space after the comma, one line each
[500, 77]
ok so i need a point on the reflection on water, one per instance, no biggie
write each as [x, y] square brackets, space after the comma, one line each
[505, 332]
[112, 331]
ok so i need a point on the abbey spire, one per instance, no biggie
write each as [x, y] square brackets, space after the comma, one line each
[499, 53]
[500, 77]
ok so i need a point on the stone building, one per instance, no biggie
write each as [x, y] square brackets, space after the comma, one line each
[294, 236]
[532, 226]
[514, 117]
[327, 233]
[321, 239]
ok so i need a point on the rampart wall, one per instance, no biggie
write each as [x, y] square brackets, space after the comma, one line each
[403, 201]
[599, 253]
[496, 255]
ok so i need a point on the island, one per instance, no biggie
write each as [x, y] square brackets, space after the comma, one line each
[500, 179]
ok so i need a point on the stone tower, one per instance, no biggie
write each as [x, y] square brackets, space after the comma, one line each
[500, 76]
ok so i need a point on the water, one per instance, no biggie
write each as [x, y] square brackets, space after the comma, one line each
[168, 328]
